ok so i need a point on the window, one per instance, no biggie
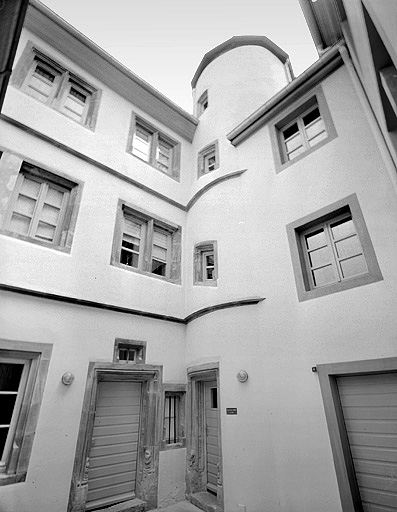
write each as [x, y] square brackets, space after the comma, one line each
[202, 103]
[206, 263]
[154, 147]
[42, 208]
[146, 244]
[331, 250]
[129, 351]
[208, 159]
[23, 369]
[174, 416]
[303, 130]
[52, 84]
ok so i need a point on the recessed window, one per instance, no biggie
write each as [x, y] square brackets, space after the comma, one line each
[148, 245]
[303, 130]
[129, 351]
[332, 250]
[202, 103]
[154, 147]
[40, 207]
[206, 263]
[22, 376]
[174, 417]
[208, 159]
[52, 84]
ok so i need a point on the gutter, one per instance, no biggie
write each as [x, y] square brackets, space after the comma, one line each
[330, 61]
[311, 20]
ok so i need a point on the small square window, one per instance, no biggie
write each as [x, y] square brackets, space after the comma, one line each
[40, 208]
[303, 130]
[206, 263]
[174, 417]
[154, 147]
[202, 103]
[332, 251]
[129, 351]
[208, 159]
[22, 378]
[147, 244]
[52, 84]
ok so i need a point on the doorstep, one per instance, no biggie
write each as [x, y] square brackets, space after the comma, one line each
[134, 505]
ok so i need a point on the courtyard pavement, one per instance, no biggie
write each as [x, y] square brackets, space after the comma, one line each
[181, 506]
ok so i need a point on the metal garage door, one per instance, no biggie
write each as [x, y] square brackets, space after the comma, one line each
[369, 405]
[114, 446]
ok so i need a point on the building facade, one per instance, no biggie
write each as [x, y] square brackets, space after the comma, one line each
[200, 305]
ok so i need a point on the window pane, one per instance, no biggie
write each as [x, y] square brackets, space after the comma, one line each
[353, 266]
[315, 128]
[45, 73]
[132, 228]
[78, 95]
[49, 214]
[7, 403]
[73, 108]
[296, 153]
[158, 268]
[54, 197]
[348, 247]
[210, 273]
[30, 188]
[129, 258]
[342, 229]
[209, 260]
[45, 232]
[293, 143]
[318, 138]
[19, 224]
[131, 243]
[25, 206]
[320, 257]
[311, 116]
[10, 376]
[292, 130]
[316, 240]
[141, 143]
[159, 253]
[324, 276]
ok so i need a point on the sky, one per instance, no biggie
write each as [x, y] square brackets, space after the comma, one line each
[163, 41]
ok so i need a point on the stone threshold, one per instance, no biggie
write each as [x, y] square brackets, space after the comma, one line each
[134, 505]
[206, 501]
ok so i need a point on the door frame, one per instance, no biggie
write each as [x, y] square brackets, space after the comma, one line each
[196, 480]
[150, 377]
[328, 374]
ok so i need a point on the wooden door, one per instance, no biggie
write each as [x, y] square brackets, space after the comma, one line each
[211, 415]
[114, 445]
[369, 406]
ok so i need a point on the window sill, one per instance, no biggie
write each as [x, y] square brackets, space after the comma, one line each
[210, 284]
[175, 178]
[12, 479]
[143, 273]
[173, 446]
[35, 242]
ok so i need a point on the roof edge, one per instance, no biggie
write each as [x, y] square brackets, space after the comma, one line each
[235, 42]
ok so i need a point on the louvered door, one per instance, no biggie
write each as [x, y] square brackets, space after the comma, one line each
[369, 405]
[212, 435]
[114, 446]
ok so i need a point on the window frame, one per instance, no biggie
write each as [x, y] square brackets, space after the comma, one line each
[64, 228]
[157, 137]
[202, 103]
[207, 152]
[152, 224]
[174, 390]
[200, 250]
[36, 357]
[66, 79]
[294, 114]
[296, 231]
[138, 346]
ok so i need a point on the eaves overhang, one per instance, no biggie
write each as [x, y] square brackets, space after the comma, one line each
[324, 19]
[235, 42]
[330, 61]
[66, 39]
[12, 15]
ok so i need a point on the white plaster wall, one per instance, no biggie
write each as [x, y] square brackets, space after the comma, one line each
[86, 272]
[108, 143]
[172, 484]
[276, 451]
[78, 335]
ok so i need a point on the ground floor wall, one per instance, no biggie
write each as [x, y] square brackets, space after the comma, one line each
[80, 335]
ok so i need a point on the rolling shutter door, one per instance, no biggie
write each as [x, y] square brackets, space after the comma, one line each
[114, 447]
[369, 405]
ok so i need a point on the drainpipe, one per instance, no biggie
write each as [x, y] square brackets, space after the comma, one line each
[391, 165]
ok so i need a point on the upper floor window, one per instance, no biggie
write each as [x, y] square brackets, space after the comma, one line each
[301, 131]
[154, 147]
[332, 251]
[52, 84]
[41, 208]
[208, 159]
[147, 244]
[206, 263]
[202, 103]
